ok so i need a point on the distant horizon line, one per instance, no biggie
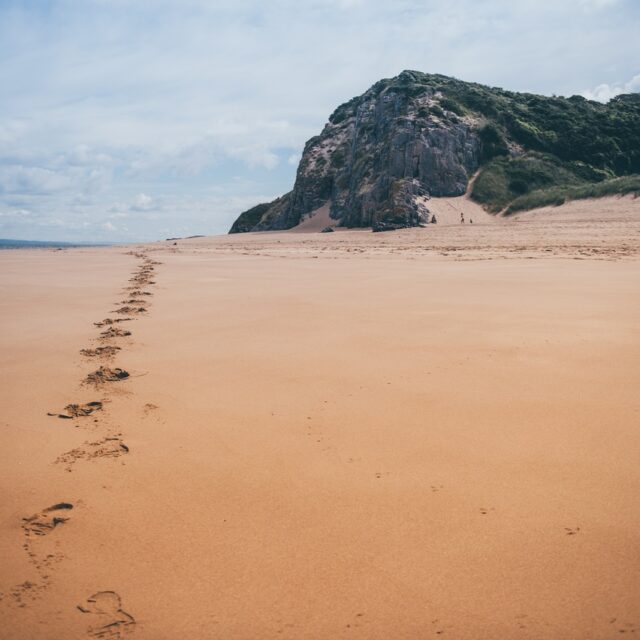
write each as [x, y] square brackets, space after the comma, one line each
[8, 242]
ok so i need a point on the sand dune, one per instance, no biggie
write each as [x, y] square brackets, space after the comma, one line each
[454, 211]
[418, 434]
[316, 221]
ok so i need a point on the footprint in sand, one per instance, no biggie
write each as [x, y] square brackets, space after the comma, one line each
[143, 277]
[27, 591]
[108, 619]
[36, 527]
[113, 332]
[78, 410]
[127, 310]
[109, 447]
[106, 374]
[45, 521]
[109, 321]
[108, 351]
[535, 627]
[358, 621]
[440, 628]
[624, 627]
[144, 270]
[572, 531]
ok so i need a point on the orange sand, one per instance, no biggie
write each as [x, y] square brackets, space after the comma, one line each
[421, 434]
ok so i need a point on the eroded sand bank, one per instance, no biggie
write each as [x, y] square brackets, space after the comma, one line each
[345, 435]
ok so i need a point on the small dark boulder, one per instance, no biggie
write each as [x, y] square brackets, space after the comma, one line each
[387, 226]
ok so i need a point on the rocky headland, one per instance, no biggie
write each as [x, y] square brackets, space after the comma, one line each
[382, 155]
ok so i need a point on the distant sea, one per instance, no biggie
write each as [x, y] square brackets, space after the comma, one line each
[45, 244]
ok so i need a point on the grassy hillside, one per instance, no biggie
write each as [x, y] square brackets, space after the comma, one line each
[559, 195]
[539, 149]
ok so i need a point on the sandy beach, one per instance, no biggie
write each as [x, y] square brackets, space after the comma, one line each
[417, 434]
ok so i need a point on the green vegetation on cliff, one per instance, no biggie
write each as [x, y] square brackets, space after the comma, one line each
[250, 218]
[605, 137]
[562, 145]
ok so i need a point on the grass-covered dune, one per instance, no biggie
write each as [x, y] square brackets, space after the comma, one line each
[560, 194]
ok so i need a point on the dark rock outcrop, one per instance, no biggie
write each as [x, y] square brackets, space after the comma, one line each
[378, 159]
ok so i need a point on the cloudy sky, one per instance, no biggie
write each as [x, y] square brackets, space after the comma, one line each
[142, 119]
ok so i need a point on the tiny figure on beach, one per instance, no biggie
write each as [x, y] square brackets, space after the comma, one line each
[461, 218]
[470, 220]
[434, 220]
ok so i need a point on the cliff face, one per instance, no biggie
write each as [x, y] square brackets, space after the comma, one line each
[382, 154]
[374, 156]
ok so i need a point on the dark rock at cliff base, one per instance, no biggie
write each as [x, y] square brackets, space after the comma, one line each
[382, 155]
[328, 230]
[386, 226]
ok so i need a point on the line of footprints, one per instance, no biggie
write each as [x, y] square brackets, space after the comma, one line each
[104, 608]
[107, 617]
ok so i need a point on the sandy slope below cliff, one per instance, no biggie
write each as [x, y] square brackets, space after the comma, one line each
[349, 435]
[316, 221]
[459, 210]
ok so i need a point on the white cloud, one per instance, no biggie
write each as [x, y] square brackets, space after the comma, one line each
[255, 156]
[11, 129]
[32, 180]
[142, 202]
[604, 92]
